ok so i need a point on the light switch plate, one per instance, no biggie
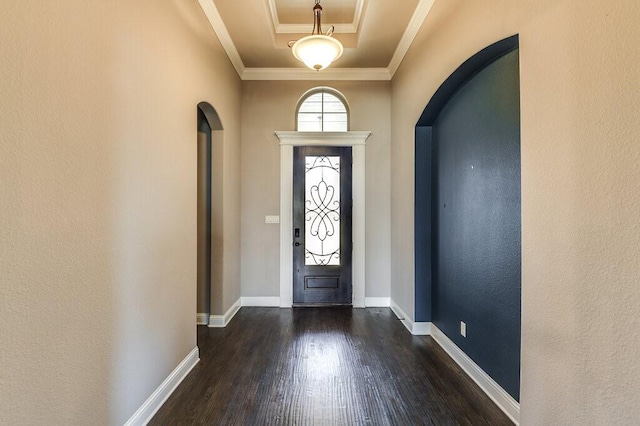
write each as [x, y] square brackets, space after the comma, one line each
[272, 219]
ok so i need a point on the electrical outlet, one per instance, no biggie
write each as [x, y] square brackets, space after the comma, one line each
[463, 329]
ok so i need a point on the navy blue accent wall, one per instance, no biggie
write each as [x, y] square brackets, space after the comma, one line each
[422, 226]
[476, 205]
[468, 221]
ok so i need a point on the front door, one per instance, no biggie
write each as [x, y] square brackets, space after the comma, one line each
[322, 226]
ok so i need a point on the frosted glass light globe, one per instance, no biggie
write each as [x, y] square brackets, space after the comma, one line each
[317, 51]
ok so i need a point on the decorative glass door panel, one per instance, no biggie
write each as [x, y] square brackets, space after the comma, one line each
[322, 226]
[322, 210]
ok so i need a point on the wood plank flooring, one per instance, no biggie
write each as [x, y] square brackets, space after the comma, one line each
[324, 366]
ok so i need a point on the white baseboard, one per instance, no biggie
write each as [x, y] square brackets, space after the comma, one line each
[358, 302]
[268, 302]
[404, 318]
[421, 329]
[223, 320]
[377, 302]
[202, 319]
[144, 414]
[415, 328]
[503, 400]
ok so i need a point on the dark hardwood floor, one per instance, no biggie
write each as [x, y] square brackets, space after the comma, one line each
[324, 366]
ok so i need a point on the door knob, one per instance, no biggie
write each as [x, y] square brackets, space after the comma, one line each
[296, 244]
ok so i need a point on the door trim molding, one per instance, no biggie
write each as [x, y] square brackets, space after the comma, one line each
[357, 141]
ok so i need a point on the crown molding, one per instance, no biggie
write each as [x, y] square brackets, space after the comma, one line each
[419, 15]
[358, 74]
[345, 28]
[361, 74]
[211, 11]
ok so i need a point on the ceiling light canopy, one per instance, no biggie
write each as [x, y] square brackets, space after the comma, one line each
[317, 51]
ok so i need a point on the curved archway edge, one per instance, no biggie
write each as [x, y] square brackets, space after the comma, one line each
[211, 115]
[462, 74]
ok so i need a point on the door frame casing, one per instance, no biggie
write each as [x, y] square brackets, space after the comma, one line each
[357, 141]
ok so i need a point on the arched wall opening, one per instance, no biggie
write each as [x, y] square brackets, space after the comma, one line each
[467, 212]
[209, 212]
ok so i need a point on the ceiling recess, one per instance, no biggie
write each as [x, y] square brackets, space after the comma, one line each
[254, 34]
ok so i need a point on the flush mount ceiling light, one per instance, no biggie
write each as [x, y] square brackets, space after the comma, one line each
[317, 51]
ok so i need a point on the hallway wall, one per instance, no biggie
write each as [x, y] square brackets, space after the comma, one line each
[269, 106]
[98, 201]
[580, 200]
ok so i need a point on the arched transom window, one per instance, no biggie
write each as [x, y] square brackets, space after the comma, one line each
[322, 110]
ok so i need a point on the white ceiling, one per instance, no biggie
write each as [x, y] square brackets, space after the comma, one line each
[376, 35]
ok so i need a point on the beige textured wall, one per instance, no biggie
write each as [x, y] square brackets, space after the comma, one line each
[230, 288]
[204, 223]
[580, 192]
[268, 106]
[98, 200]
[218, 231]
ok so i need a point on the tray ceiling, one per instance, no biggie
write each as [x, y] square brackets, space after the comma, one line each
[375, 35]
